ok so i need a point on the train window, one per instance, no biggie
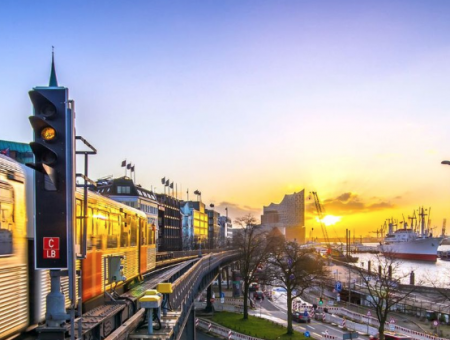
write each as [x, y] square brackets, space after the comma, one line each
[6, 193]
[91, 232]
[124, 236]
[79, 222]
[133, 231]
[144, 231]
[151, 234]
[6, 219]
[112, 231]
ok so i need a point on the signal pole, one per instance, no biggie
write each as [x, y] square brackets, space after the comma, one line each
[54, 189]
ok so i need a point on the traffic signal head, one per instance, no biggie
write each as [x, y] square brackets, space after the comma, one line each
[51, 125]
[53, 149]
[320, 301]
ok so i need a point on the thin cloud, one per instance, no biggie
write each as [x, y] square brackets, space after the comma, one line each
[349, 203]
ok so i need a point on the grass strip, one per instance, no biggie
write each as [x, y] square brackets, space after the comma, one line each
[254, 326]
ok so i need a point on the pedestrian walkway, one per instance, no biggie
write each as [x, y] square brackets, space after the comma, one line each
[401, 320]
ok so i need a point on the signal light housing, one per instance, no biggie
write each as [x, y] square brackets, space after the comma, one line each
[53, 149]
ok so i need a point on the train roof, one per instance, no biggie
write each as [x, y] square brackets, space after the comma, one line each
[11, 168]
[107, 202]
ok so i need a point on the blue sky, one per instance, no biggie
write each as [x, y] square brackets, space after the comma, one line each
[248, 100]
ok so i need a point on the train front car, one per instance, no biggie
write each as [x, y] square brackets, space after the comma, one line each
[113, 229]
[14, 306]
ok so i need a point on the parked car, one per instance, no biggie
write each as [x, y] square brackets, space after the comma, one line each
[300, 317]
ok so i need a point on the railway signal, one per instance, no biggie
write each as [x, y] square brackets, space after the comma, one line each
[53, 149]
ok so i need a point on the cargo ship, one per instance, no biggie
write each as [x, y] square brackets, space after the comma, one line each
[410, 243]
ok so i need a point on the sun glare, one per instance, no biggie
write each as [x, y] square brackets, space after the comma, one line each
[329, 220]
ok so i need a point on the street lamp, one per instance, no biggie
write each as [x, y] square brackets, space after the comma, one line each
[445, 162]
[225, 231]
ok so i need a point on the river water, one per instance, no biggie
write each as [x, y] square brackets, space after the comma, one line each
[427, 273]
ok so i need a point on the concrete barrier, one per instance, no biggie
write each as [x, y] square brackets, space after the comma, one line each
[371, 327]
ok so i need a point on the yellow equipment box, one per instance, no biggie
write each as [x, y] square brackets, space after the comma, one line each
[165, 288]
[151, 292]
[150, 301]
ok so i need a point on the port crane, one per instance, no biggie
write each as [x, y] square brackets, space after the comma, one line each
[321, 214]
[412, 221]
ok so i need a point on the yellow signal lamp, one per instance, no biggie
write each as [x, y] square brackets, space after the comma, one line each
[48, 134]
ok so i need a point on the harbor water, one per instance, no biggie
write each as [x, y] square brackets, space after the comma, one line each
[426, 273]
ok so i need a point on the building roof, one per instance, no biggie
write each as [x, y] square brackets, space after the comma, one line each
[21, 152]
[110, 187]
[274, 206]
[15, 146]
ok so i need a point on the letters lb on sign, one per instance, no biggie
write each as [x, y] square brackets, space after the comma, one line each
[51, 248]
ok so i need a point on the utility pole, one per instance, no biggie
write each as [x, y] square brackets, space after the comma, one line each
[349, 287]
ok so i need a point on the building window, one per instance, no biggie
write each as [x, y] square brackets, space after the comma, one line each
[123, 189]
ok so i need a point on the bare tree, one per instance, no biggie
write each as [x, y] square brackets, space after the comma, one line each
[294, 268]
[251, 243]
[383, 287]
[441, 292]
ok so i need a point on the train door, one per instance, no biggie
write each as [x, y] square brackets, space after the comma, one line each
[14, 306]
[143, 241]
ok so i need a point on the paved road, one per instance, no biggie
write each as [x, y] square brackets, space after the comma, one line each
[277, 309]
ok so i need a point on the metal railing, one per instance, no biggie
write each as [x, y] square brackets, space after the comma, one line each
[190, 284]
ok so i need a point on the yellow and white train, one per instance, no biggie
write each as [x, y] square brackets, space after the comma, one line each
[112, 229]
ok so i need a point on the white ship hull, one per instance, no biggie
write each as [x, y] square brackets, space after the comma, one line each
[421, 249]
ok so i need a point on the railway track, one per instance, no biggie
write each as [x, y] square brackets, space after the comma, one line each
[100, 321]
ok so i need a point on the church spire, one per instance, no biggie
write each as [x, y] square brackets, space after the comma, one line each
[53, 81]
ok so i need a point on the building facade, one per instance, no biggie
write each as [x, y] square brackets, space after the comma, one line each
[213, 228]
[288, 216]
[169, 222]
[194, 225]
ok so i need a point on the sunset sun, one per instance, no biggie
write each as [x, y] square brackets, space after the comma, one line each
[329, 220]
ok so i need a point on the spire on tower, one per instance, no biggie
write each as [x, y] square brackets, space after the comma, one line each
[53, 81]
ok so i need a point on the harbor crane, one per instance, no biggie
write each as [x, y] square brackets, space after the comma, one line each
[412, 220]
[321, 214]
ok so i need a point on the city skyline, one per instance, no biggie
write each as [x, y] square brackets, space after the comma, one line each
[249, 101]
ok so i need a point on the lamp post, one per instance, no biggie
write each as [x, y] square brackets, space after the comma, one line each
[225, 231]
